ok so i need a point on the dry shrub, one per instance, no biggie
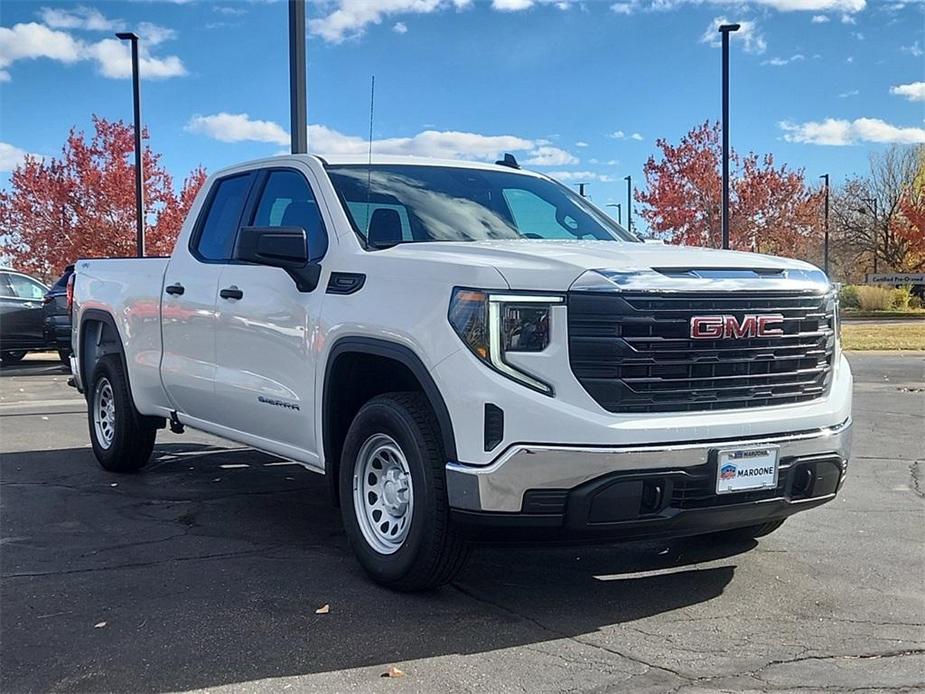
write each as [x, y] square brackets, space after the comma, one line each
[875, 298]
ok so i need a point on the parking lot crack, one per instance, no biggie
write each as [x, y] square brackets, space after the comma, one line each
[915, 472]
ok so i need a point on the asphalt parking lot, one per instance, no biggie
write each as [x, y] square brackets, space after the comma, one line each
[206, 570]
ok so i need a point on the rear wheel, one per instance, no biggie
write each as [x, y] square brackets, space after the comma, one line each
[12, 357]
[122, 439]
[393, 495]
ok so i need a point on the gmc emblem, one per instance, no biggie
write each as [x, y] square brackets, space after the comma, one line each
[730, 328]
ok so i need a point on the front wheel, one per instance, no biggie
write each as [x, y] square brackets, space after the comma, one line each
[122, 439]
[12, 357]
[393, 495]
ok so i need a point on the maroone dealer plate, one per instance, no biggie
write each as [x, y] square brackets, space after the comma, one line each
[746, 469]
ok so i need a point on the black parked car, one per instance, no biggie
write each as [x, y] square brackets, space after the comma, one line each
[22, 321]
[57, 316]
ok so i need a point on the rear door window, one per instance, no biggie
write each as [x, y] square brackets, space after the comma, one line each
[26, 288]
[219, 227]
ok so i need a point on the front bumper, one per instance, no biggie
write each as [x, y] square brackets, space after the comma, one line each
[645, 490]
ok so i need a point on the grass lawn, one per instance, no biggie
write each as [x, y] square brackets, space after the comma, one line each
[870, 336]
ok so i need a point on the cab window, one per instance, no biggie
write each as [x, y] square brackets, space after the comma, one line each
[287, 201]
[219, 227]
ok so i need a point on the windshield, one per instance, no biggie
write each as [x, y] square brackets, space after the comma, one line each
[390, 204]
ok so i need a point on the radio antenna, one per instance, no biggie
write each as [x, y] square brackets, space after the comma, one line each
[369, 160]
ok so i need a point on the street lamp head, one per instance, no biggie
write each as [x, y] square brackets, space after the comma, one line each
[127, 36]
[725, 28]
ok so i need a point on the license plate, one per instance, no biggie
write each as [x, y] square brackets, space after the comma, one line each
[746, 469]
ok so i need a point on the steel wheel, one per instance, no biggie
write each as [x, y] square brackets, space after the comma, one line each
[383, 497]
[104, 413]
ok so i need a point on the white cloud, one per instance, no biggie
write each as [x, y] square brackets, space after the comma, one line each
[445, 144]
[914, 50]
[11, 157]
[113, 57]
[400, 28]
[114, 60]
[551, 156]
[848, 19]
[4, 76]
[838, 132]
[346, 19]
[849, 93]
[623, 7]
[777, 62]
[237, 127]
[85, 18]
[511, 5]
[819, 19]
[914, 91]
[231, 11]
[581, 144]
[748, 35]
[153, 34]
[636, 136]
[617, 135]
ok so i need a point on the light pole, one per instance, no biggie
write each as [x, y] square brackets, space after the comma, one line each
[581, 189]
[619, 210]
[825, 246]
[139, 173]
[629, 202]
[298, 108]
[872, 204]
[725, 30]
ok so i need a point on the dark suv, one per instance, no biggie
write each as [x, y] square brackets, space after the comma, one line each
[57, 317]
[20, 316]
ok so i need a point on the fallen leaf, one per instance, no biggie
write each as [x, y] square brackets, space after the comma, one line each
[324, 609]
[99, 625]
[393, 672]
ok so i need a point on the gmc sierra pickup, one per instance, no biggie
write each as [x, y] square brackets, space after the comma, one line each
[468, 351]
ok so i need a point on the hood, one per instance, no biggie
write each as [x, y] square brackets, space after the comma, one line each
[530, 264]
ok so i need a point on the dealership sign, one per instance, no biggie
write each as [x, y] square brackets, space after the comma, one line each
[895, 278]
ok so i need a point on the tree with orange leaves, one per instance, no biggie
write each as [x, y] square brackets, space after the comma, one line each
[771, 210]
[82, 205]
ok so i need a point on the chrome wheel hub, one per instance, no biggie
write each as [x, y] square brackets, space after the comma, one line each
[104, 413]
[383, 497]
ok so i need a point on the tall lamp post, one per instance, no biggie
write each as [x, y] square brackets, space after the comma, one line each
[619, 210]
[825, 246]
[725, 30]
[629, 202]
[872, 203]
[139, 173]
[581, 189]
[298, 108]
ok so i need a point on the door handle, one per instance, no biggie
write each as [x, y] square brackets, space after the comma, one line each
[175, 288]
[231, 292]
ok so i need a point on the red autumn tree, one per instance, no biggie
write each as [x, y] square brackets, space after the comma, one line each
[771, 209]
[82, 205]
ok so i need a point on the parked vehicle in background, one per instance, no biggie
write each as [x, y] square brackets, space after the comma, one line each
[467, 349]
[58, 317]
[22, 326]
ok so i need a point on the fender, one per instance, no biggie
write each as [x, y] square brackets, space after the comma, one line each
[406, 357]
[106, 318]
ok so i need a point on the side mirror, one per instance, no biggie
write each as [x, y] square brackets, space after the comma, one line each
[282, 247]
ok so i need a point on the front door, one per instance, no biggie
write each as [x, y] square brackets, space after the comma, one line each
[265, 353]
[190, 292]
[21, 307]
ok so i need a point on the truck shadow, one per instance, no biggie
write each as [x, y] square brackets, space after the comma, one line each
[207, 569]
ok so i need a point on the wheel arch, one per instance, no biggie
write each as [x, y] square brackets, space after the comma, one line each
[97, 336]
[337, 412]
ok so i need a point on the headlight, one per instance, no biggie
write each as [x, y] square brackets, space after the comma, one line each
[493, 325]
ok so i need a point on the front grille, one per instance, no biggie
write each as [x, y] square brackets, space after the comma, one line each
[633, 352]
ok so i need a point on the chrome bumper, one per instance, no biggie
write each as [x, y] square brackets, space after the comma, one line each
[500, 487]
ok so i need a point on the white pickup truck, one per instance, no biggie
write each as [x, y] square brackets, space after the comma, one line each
[469, 352]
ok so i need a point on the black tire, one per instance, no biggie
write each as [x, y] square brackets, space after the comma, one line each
[132, 435]
[433, 551]
[751, 532]
[12, 357]
[65, 356]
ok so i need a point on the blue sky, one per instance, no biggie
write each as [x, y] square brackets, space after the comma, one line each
[578, 89]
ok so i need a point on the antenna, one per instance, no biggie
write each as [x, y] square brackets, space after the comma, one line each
[369, 160]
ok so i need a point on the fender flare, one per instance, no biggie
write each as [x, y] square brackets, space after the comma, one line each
[98, 315]
[406, 357]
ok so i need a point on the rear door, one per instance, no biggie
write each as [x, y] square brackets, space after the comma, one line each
[265, 378]
[22, 317]
[190, 292]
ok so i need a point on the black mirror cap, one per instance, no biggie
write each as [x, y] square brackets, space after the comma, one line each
[283, 247]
